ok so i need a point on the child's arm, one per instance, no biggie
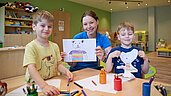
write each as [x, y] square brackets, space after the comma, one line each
[99, 52]
[47, 89]
[109, 64]
[65, 71]
[145, 66]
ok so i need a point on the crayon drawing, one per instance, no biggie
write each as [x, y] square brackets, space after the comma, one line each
[79, 50]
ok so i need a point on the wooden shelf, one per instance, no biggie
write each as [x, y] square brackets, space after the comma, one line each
[18, 19]
[18, 26]
[17, 9]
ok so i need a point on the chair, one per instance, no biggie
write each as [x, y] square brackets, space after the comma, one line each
[102, 64]
[152, 71]
[66, 65]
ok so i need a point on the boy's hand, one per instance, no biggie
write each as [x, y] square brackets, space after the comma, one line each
[99, 52]
[63, 54]
[50, 90]
[70, 75]
[142, 54]
[115, 54]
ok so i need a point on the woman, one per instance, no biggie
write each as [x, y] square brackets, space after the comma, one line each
[90, 24]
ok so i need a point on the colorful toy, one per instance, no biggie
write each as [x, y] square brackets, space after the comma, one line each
[19, 5]
[29, 8]
[2, 4]
[10, 4]
[3, 88]
[161, 43]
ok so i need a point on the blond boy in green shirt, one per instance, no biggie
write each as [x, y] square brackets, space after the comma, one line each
[42, 58]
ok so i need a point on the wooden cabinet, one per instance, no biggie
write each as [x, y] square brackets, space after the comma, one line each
[11, 62]
[16, 27]
[17, 39]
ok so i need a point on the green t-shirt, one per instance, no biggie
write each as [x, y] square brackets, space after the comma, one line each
[46, 59]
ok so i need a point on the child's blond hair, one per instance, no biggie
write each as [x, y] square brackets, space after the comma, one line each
[39, 15]
[125, 25]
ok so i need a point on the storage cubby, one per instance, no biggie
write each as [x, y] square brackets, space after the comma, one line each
[15, 23]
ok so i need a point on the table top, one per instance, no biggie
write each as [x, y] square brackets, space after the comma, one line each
[129, 88]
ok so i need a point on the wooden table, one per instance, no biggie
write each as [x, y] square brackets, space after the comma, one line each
[130, 88]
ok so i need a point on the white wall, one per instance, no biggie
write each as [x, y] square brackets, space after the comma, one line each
[140, 19]
[137, 17]
[163, 23]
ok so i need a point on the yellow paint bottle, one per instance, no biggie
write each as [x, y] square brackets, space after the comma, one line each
[102, 77]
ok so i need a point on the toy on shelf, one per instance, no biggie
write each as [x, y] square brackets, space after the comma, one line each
[29, 8]
[161, 43]
[2, 4]
[19, 5]
[10, 4]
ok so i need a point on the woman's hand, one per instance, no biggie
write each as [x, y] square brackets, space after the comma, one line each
[50, 90]
[99, 52]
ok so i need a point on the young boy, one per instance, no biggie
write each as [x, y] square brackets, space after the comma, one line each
[42, 58]
[125, 33]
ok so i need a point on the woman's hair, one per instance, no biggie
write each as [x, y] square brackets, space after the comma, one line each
[39, 15]
[89, 13]
[125, 25]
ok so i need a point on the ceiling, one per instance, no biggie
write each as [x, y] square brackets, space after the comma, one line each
[121, 5]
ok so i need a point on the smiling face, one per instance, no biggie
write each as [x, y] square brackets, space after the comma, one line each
[126, 36]
[43, 28]
[90, 25]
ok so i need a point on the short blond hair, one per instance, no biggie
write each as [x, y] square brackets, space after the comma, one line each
[125, 25]
[42, 14]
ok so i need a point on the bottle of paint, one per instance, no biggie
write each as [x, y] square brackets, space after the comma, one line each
[102, 77]
[117, 83]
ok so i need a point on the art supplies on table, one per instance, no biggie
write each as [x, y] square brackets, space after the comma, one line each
[87, 83]
[102, 77]
[117, 83]
[94, 83]
[31, 90]
[20, 92]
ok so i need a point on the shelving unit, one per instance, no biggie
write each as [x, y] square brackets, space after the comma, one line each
[16, 24]
[141, 40]
[164, 52]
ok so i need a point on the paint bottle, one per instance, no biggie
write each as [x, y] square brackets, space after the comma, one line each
[102, 77]
[117, 83]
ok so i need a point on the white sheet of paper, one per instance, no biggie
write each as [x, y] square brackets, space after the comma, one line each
[19, 91]
[79, 50]
[108, 87]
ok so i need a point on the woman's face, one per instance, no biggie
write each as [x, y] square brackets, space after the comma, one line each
[90, 25]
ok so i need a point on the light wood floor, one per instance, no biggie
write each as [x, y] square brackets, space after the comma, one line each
[163, 66]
